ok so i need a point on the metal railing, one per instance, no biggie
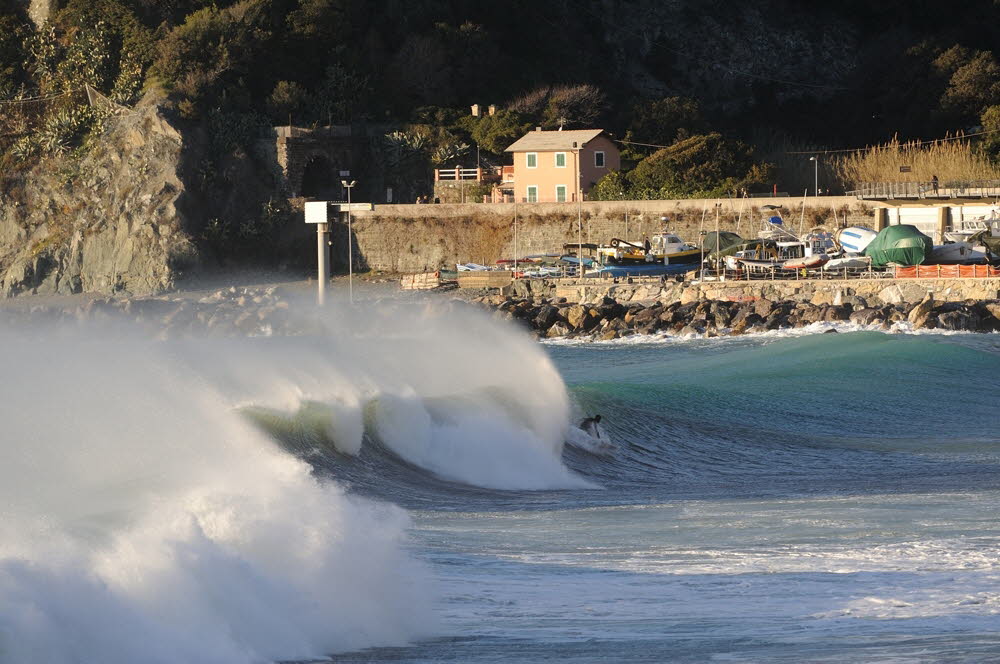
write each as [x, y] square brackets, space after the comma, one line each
[475, 174]
[928, 189]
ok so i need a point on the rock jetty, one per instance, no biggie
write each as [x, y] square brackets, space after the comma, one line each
[228, 312]
[609, 319]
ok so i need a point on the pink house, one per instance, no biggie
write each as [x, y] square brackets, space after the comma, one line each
[559, 166]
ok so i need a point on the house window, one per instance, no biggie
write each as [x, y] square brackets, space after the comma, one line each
[532, 194]
[532, 159]
[599, 159]
[561, 193]
[560, 160]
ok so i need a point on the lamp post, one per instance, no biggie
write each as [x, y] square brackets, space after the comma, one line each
[350, 241]
[815, 161]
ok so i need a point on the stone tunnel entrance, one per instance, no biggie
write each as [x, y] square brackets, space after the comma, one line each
[320, 179]
[311, 159]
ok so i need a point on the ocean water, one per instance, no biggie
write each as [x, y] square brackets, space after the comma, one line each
[396, 487]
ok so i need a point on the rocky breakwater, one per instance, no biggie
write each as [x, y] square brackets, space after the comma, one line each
[229, 312]
[609, 319]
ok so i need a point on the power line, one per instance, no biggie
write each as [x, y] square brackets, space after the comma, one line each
[916, 143]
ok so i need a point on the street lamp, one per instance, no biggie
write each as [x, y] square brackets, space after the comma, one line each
[350, 241]
[815, 161]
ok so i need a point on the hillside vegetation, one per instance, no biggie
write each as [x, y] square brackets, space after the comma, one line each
[709, 96]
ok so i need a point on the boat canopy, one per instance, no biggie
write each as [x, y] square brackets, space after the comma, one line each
[901, 244]
[720, 240]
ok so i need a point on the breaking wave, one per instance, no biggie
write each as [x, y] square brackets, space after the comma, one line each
[148, 518]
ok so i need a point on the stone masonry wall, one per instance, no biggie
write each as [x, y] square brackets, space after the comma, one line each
[832, 291]
[420, 238]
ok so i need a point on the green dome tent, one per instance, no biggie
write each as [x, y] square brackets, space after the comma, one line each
[901, 244]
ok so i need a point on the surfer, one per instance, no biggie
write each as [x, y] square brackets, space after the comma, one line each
[589, 424]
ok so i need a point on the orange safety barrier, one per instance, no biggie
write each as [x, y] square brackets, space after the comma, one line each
[946, 271]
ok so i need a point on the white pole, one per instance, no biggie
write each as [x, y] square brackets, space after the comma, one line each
[350, 249]
[802, 218]
[579, 235]
[579, 220]
[739, 219]
[717, 239]
[350, 240]
[322, 271]
[515, 236]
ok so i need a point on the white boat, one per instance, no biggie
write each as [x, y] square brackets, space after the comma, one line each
[786, 255]
[969, 227]
[782, 249]
[854, 239]
[952, 253]
[848, 262]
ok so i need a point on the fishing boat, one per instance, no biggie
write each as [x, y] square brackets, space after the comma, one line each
[664, 248]
[779, 248]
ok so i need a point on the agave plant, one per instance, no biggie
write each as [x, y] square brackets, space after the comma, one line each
[449, 153]
[62, 129]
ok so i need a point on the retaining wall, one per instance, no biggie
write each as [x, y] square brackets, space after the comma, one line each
[422, 238]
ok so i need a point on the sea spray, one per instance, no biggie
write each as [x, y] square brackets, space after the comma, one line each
[449, 391]
[146, 520]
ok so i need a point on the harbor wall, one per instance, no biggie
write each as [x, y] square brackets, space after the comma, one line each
[874, 292]
[420, 238]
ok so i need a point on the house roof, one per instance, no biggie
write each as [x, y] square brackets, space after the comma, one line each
[542, 141]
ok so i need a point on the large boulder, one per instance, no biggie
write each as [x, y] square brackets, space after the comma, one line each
[547, 316]
[922, 314]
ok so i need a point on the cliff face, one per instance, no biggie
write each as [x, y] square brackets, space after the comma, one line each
[106, 222]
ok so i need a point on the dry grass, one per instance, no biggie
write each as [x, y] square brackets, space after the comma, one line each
[949, 161]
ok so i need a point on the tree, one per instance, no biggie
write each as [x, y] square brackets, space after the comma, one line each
[578, 105]
[662, 122]
[973, 87]
[564, 105]
[494, 133]
[287, 99]
[341, 96]
[212, 52]
[12, 35]
[702, 165]
[614, 186]
[990, 145]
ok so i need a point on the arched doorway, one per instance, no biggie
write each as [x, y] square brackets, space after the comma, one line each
[319, 178]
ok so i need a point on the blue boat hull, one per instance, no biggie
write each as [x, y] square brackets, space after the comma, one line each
[651, 270]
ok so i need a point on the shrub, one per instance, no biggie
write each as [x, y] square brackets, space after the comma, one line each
[494, 133]
[699, 166]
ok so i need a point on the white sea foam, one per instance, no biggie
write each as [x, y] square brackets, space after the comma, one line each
[146, 520]
[822, 327]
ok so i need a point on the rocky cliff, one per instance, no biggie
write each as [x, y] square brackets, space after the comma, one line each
[110, 220]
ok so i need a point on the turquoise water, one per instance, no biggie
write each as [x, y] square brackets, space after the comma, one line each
[406, 488]
[822, 498]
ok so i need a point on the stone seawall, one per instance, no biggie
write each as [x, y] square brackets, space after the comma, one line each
[421, 238]
[817, 292]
